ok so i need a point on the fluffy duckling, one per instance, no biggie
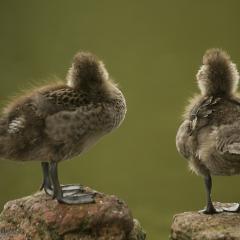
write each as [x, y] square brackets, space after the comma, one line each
[60, 121]
[209, 136]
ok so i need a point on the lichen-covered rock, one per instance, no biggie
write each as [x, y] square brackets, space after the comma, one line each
[199, 226]
[38, 217]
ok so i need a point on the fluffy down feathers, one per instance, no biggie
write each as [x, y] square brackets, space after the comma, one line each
[87, 72]
[218, 76]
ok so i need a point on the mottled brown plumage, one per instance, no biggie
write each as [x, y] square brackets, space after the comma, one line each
[60, 121]
[209, 136]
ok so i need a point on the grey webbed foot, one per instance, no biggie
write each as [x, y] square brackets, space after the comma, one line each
[211, 210]
[69, 194]
[67, 190]
[72, 189]
[77, 198]
[233, 209]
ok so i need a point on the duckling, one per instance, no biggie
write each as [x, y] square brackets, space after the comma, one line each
[209, 136]
[62, 120]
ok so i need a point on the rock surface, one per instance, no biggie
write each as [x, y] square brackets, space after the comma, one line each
[38, 217]
[199, 226]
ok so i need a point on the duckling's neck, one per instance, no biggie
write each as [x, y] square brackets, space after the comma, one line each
[223, 95]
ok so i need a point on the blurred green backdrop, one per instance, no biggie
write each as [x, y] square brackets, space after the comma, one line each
[153, 49]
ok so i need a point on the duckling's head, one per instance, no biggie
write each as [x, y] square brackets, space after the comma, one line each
[218, 76]
[87, 72]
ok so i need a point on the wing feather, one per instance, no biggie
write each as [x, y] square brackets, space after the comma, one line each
[73, 125]
[228, 139]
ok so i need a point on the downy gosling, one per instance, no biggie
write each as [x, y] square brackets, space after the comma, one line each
[209, 136]
[62, 120]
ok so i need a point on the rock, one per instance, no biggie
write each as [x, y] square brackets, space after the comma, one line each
[39, 217]
[199, 226]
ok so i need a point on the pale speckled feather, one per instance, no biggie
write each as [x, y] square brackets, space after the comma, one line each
[72, 125]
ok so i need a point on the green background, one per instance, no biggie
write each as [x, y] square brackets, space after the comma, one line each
[153, 49]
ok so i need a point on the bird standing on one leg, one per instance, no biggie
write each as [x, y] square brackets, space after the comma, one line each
[209, 136]
[60, 121]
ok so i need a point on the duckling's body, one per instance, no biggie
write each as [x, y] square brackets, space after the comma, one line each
[60, 121]
[209, 136]
[206, 141]
[57, 123]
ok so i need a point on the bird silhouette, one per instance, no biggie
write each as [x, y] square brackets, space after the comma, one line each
[62, 120]
[209, 136]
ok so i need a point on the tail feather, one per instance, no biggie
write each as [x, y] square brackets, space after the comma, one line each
[218, 75]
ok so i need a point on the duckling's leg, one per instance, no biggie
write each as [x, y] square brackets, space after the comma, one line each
[210, 209]
[58, 191]
[47, 185]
